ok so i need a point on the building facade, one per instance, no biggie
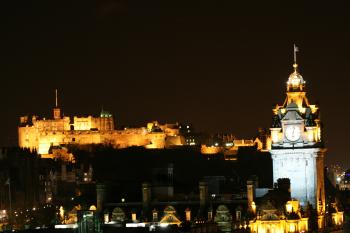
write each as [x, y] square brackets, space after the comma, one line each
[297, 150]
[43, 134]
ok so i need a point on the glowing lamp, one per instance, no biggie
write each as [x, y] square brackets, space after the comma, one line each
[289, 207]
[133, 217]
[106, 218]
[253, 207]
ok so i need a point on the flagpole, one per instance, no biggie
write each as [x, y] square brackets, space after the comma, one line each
[10, 199]
[295, 65]
[295, 54]
[56, 99]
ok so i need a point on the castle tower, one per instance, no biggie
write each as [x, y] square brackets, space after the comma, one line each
[56, 109]
[297, 149]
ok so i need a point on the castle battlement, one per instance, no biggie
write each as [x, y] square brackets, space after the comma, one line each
[41, 134]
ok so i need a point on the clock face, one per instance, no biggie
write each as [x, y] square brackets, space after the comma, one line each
[292, 133]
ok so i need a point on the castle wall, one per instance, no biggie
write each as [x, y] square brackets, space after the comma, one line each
[35, 137]
[157, 140]
[82, 123]
[41, 134]
[88, 123]
[129, 137]
[170, 129]
[211, 149]
[171, 141]
[104, 123]
[28, 137]
[51, 125]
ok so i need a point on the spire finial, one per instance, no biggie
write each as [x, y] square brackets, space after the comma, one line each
[56, 98]
[295, 65]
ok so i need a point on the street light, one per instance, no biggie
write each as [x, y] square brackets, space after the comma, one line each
[8, 182]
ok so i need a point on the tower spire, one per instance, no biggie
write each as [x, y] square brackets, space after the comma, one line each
[295, 65]
[56, 98]
[295, 81]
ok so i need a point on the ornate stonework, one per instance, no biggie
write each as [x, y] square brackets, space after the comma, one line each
[297, 149]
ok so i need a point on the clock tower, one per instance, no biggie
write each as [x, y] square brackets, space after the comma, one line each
[297, 149]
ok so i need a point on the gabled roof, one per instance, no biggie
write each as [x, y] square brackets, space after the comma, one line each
[292, 115]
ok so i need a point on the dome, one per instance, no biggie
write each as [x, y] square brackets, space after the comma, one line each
[270, 216]
[295, 80]
[222, 208]
[267, 206]
[293, 216]
[169, 209]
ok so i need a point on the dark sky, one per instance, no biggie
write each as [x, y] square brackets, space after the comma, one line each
[220, 65]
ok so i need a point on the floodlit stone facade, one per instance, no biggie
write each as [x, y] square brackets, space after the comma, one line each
[42, 134]
[270, 219]
[297, 149]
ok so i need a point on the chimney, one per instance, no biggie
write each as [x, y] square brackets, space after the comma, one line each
[63, 172]
[210, 214]
[134, 217]
[283, 184]
[203, 193]
[155, 215]
[146, 195]
[188, 214]
[100, 197]
[251, 195]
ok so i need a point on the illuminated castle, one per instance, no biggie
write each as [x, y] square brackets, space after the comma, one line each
[42, 134]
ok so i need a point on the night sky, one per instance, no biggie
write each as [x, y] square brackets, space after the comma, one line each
[220, 65]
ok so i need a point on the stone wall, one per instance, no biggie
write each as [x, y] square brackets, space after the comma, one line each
[40, 135]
